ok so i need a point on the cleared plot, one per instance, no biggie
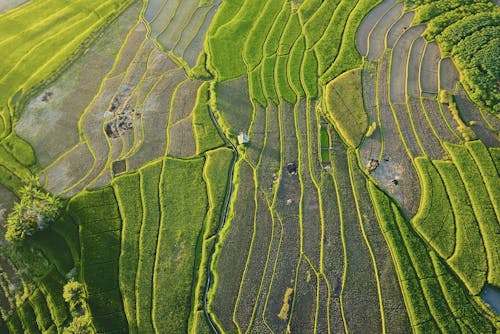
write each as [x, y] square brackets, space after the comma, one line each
[191, 28]
[448, 74]
[414, 59]
[182, 142]
[64, 173]
[6, 5]
[439, 124]
[392, 301]
[257, 135]
[469, 112]
[399, 63]
[250, 290]
[429, 69]
[368, 23]
[155, 120]
[359, 296]
[371, 145]
[395, 163]
[287, 206]
[397, 28]
[406, 129]
[303, 308]
[235, 238]
[346, 109]
[429, 142]
[180, 227]
[469, 256]
[195, 46]
[49, 112]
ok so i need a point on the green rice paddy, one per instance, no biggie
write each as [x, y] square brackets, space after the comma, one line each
[251, 166]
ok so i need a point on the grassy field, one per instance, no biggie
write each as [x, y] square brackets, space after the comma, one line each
[365, 200]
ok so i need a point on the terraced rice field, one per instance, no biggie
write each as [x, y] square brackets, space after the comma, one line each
[247, 166]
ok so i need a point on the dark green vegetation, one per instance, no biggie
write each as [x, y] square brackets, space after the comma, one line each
[468, 31]
[366, 200]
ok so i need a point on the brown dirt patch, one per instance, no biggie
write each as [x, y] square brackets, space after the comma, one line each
[376, 43]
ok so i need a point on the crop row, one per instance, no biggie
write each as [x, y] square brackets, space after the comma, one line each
[434, 299]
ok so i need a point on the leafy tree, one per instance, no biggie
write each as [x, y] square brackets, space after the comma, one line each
[36, 209]
[79, 325]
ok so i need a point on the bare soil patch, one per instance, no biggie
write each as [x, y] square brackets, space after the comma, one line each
[369, 21]
[399, 63]
[233, 104]
[398, 28]
[194, 48]
[448, 74]
[181, 17]
[416, 53]
[429, 69]
[69, 169]
[6, 5]
[376, 42]
[182, 141]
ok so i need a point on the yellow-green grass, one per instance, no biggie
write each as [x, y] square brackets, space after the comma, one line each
[348, 56]
[225, 42]
[315, 27]
[150, 178]
[469, 257]
[325, 144]
[283, 86]
[181, 221]
[206, 134]
[253, 47]
[483, 209]
[488, 171]
[309, 74]
[36, 41]
[444, 305]
[434, 219]
[128, 195]
[344, 106]
[495, 156]
[216, 176]
[328, 46]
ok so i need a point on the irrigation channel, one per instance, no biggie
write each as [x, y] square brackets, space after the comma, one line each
[223, 218]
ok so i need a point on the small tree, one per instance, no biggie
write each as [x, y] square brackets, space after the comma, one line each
[74, 293]
[36, 209]
[79, 325]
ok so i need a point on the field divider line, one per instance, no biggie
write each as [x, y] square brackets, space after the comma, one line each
[172, 101]
[378, 64]
[257, 190]
[424, 110]
[324, 3]
[321, 213]
[183, 51]
[137, 103]
[61, 13]
[254, 310]
[407, 98]
[82, 135]
[391, 106]
[265, 42]
[353, 163]
[186, 23]
[448, 125]
[28, 54]
[249, 255]
[166, 24]
[274, 212]
[344, 245]
[130, 68]
[341, 40]
[375, 25]
[137, 144]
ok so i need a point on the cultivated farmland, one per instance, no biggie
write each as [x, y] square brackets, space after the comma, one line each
[249, 166]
